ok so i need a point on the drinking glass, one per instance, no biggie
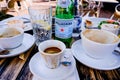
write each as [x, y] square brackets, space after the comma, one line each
[41, 19]
[117, 12]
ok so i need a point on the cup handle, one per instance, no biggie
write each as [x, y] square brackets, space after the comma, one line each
[66, 60]
[117, 51]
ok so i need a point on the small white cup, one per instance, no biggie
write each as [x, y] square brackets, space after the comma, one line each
[51, 60]
[99, 43]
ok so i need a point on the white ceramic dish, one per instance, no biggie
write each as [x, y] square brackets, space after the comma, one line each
[27, 43]
[42, 72]
[73, 76]
[95, 21]
[108, 63]
[24, 18]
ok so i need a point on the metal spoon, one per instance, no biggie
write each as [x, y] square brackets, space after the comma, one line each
[3, 51]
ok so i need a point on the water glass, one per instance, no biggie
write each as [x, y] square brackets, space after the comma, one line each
[117, 12]
[41, 19]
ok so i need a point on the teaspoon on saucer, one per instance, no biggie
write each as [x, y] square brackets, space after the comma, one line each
[3, 51]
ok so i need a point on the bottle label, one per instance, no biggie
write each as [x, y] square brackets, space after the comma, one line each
[77, 21]
[63, 28]
[64, 3]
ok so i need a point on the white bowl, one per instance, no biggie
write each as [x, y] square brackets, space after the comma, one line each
[13, 41]
[99, 43]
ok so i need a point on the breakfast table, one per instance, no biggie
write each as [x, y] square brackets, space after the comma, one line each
[17, 67]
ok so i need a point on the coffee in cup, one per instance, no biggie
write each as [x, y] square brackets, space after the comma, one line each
[9, 32]
[52, 50]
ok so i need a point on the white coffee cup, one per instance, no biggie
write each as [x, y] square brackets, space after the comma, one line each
[11, 37]
[99, 43]
[51, 60]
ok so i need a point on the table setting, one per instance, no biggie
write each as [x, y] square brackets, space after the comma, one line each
[61, 73]
[30, 61]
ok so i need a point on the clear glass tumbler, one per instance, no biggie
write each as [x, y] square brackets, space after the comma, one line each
[41, 19]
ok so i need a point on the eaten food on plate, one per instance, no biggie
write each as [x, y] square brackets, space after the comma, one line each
[16, 23]
[110, 25]
[88, 23]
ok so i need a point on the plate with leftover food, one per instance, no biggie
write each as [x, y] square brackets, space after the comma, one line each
[91, 22]
[96, 23]
[110, 25]
[18, 19]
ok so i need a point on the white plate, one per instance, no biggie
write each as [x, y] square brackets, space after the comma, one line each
[38, 68]
[95, 21]
[109, 63]
[24, 18]
[28, 41]
[73, 76]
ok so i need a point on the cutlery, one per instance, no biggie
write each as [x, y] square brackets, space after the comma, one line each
[4, 51]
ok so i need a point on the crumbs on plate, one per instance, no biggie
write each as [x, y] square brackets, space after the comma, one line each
[16, 23]
[88, 23]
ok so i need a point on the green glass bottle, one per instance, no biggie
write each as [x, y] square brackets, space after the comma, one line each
[64, 21]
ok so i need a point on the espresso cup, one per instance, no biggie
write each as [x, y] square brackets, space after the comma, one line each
[99, 43]
[51, 52]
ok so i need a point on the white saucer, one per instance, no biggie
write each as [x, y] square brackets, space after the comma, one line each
[42, 72]
[28, 41]
[108, 63]
[73, 76]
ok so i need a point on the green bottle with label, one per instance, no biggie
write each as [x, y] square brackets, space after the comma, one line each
[64, 21]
